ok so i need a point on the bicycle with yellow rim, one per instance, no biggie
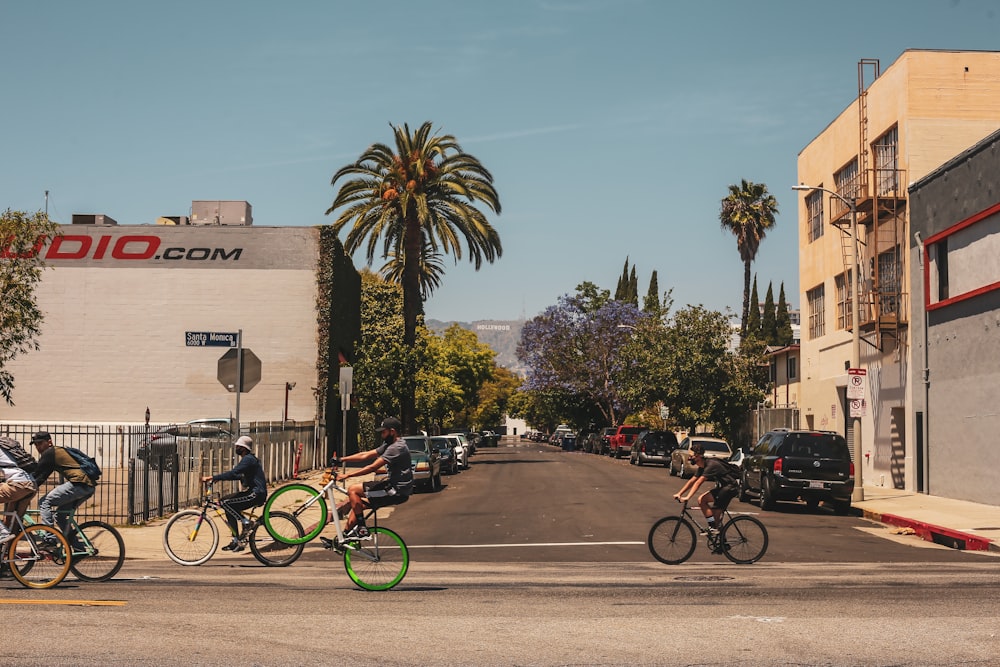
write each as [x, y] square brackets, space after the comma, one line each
[38, 556]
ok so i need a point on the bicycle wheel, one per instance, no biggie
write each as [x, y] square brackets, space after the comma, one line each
[190, 538]
[671, 540]
[744, 539]
[379, 563]
[304, 503]
[38, 557]
[102, 554]
[272, 552]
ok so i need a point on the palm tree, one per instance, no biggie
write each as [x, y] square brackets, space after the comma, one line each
[748, 212]
[415, 197]
[431, 269]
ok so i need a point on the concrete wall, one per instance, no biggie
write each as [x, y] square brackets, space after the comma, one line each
[119, 300]
[962, 338]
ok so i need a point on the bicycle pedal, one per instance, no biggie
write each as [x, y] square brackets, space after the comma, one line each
[328, 543]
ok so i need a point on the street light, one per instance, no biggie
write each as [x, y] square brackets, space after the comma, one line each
[852, 204]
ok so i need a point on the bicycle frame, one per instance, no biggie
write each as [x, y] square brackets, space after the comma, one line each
[73, 530]
[15, 529]
[213, 503]
[333, 516]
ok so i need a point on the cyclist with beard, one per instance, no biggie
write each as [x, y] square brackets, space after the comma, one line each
[393, 455]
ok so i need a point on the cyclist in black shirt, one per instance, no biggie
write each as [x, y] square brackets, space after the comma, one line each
[253, 494]
[712, 470]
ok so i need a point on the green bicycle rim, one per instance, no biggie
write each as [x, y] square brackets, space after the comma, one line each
[290, 499]
[391, 568]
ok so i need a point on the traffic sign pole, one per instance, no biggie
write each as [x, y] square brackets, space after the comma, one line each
[239, 376]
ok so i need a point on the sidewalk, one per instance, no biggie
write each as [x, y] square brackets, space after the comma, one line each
[955, 523]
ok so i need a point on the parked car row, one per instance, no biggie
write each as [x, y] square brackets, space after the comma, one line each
[435, 455]
[783, 466]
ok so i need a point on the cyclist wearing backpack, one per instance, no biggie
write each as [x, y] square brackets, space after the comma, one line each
[726, 487]
[76, 486]
[16, 489]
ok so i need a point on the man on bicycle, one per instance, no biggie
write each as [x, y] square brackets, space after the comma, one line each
[16, 490]
[253, 493]
[394, 455]
[76, 486]
[713, 470]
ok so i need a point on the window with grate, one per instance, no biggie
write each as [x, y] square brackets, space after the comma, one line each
[814, 215]
[844, 318]
[817, 319]
[846, 181]
[888, 281]
[886, 152]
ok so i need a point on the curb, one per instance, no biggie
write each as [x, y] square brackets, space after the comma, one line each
[929, 532]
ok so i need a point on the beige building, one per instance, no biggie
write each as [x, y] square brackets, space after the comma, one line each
[124, 308]
[910, 118]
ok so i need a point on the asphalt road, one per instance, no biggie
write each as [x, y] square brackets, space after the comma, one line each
[536, 557]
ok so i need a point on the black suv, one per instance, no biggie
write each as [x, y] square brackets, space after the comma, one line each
[813, 466]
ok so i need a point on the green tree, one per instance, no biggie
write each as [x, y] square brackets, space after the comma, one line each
[651, 304]
[22, 236]
[748, 212]
[379, 386]
[494, 397]
[768, 327]
[783, 320]
[621, 291]
[753, 317]
[420, 193]
[431, 269]
[633, 289]
[458, 365]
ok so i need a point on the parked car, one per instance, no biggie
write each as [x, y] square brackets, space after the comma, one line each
[621, 442]
[714, 448]
[812, 466]
[445, 447]
[488, 439]
[426, 462]
[606, 435]
[467, 448]
[653, 447]
[588, 441]
[185, 440]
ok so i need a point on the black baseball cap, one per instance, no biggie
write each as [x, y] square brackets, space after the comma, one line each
[390, 422]
[41, 436]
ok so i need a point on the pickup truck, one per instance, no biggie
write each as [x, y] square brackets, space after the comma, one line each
[621, 442]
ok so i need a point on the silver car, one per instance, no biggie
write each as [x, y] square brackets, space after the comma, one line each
[715, 448]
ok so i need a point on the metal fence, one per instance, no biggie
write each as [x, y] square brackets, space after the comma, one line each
[139, 483]
[763, 419]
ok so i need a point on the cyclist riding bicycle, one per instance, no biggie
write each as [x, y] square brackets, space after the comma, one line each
[395, 489]
[253, 493]
[712, 470]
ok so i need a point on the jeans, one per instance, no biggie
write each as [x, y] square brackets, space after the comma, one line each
[65, 497]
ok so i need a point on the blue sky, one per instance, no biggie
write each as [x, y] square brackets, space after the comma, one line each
[612, 128]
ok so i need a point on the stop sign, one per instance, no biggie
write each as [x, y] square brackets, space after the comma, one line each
[229, 370]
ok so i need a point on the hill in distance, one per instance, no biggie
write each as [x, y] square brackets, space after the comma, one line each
[501, 335]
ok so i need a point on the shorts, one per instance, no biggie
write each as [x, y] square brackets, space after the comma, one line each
[723, 495]
[382, 494]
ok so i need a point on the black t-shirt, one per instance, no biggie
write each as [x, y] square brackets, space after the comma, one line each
[717, 471]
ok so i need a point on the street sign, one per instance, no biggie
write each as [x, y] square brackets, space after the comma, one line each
[229, 370]
[856, 383]
[859, 408]
[210, 339]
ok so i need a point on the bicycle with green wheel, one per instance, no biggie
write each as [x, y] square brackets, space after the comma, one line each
[97, 550]
[37, 556]
[742, 539]
[191, 537]
[377, 562]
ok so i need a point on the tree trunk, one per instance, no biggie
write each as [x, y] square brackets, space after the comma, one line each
[412, 247]
[746, 299]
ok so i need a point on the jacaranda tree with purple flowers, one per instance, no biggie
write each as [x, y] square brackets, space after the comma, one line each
[573, 348]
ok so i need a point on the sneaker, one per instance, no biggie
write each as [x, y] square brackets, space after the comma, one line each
[6, 536]
[713, 532]
[358, 532]
[233, 546]
[721, 548]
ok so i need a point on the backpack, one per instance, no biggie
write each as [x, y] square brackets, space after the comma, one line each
[731, 477]
[18, 454]
[87, 464]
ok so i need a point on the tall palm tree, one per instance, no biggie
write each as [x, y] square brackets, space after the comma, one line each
[416, 196]
[431, 269]
[748, 212]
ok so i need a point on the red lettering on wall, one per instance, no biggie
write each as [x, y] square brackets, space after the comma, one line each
[102, 245]
[79, 252]
[149, 245]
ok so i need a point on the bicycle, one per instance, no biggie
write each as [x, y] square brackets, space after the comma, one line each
[375, 563]
[742, 539]
[187, 541]
[37, 554]
[97, 550]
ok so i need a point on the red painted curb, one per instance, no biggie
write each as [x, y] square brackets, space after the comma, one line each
[939, 535]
